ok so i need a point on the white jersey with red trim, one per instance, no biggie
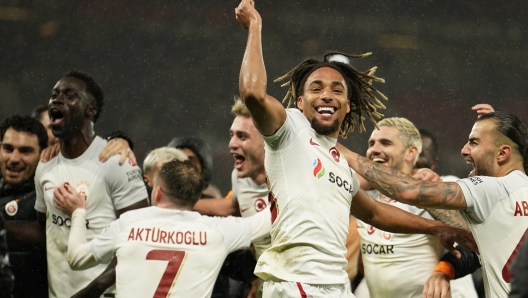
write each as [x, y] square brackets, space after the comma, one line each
[497, 214]
[171, 253]
[397, 265]
[251, 198]
[106, 187]
[312, 188]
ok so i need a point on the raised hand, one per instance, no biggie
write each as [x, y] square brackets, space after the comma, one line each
[482, 108]
[426, 174]
[67, 199]
[117, 146]
[247, 15]
[50, 152]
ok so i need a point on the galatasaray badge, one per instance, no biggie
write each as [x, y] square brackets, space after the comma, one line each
[11, 208]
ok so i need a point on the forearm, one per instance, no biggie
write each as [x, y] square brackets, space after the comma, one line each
[25, 235]
[80, 255]
[215, 207]
[395, 220]
[449, 217]
[253, 79]
[97, 287]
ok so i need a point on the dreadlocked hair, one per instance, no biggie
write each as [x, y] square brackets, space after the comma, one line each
[364, 98]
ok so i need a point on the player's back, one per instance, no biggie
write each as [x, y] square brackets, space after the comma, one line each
[171, 253]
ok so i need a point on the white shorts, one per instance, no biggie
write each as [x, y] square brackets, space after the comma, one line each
[290, 289]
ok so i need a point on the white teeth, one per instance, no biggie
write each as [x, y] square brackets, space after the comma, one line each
[378, 160]
[325, 109]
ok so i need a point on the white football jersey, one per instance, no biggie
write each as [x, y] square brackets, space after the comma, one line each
[311, 188]
[171, 253]
[397, 265]
[251, 198]
[106, 187]
[497, 214]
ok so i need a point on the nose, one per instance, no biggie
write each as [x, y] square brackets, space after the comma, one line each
[14, 157]
[465, 150]
[327, 94]
[233, 143]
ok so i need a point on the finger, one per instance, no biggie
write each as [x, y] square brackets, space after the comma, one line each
[55, 150]
[132, 157]
[105, 154]
[44, 156]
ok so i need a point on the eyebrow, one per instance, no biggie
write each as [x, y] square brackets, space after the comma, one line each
[334, 83]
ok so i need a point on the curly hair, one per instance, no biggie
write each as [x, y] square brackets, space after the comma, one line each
[92, 87]
[364, 98]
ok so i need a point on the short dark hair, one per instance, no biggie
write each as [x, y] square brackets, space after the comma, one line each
[425, 133]
[23, 123]
[181, 181]
[202, 151]
[92, 87]
[511, 127]
[37, 112]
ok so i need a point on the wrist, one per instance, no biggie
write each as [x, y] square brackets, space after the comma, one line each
[446, 268]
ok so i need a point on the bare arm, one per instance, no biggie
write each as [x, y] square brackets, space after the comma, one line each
[267, 112]
[217, 207]
[395, 220]
[449, 217]
[403, 188]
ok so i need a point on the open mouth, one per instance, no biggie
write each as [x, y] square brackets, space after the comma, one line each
[14, 170]
[379, 160]
[472, 172]
[239, 161]
[56, 116]
[326, 111]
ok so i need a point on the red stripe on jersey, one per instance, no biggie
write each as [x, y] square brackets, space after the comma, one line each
[301, 290]
[273, 207]
[506, 274]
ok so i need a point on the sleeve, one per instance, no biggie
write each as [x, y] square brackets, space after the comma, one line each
[125, 182]
[285, 135]
[234, 186]
[79, 256]
[355, 180]
[236, 232]
[103, 246]
[467, 264]
[40, 204]
[482, 193]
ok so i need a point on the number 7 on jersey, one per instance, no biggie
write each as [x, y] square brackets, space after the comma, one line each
[175, 258]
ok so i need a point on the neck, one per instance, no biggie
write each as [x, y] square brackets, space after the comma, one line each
[259, 177]
[75, 145]
[167, 204]
[407, 169]
[506, 169]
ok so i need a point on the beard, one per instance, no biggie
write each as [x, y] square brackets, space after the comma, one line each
[325, 129]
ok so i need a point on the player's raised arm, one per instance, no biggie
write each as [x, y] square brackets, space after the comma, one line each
[403, 188]
[267, 112]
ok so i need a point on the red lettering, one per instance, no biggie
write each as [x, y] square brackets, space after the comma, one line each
[525, 207]
[131, 235]
[188, 237]
[171, 239]
[204, 238]
[194, 239]
[163, 237]
[138, 234]
[179, 238]
[154, 235]
[148, 232]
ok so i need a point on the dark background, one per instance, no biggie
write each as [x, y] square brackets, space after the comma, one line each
[170, 68]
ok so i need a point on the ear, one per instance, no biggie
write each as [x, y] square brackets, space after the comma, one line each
[147, 180]
[504, 153]
[299, 103]
[157, 194]
[412, 152]
[91, 109]
[348, 106]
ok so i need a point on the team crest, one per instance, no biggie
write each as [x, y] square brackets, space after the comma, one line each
[260, 204]
[319, 170]
[335, 154]
[11, 208]
[82, 189]
[387, 235]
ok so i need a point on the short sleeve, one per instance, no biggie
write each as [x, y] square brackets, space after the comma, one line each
[482, 193]
[40, 204]
[236, 232]
[103, 246]
[285, 135]
[234, 186]
[355, 181]
[125, 183]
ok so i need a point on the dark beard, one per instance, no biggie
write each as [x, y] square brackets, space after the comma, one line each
[325, 129]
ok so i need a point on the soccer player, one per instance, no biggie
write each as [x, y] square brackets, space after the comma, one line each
[310, 182]
[492, 200]
[109, 189]
[166, 250]
[40, 113]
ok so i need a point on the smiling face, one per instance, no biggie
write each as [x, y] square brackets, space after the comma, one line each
[324, 101]
[69, 107]
[480, 150]
[19, 156]
[385, 147]
[247, 147]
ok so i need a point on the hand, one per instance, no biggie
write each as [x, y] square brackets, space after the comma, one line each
[67, 199]
[436, 286]
[50, 152]
[252, 293]
[482, 108]
[247, 15]
[449, 235]
[426, 174]
[117, 146]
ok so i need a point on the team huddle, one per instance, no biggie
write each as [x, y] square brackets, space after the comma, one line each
[112, 230]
